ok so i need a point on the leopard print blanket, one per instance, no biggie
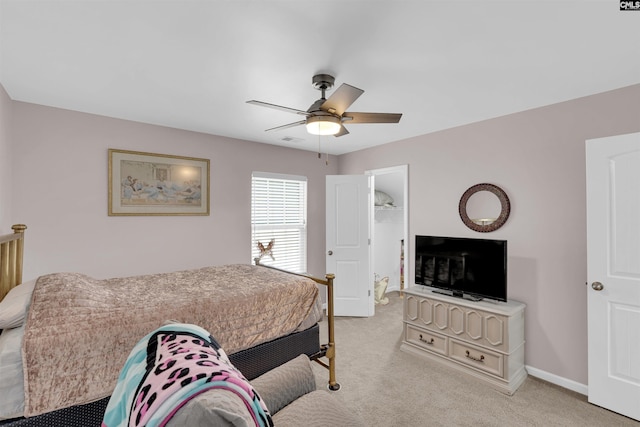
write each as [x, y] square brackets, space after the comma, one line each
[169, 367]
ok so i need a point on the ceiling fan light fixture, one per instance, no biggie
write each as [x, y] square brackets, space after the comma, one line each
[326, 115]
[323, 125]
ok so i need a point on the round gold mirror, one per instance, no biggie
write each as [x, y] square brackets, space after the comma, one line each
[484, 207]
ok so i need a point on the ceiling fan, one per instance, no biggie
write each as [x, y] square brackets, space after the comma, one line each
[328, 116]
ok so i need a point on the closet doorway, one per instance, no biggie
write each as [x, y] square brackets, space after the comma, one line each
[390, 226]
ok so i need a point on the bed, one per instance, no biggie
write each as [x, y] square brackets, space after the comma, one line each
[62, 361]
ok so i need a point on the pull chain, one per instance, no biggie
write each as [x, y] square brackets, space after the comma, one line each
[327, 160]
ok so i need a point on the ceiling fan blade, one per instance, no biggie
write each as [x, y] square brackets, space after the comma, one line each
[277, 107]
[341, 99]
[290, 125]
[349, 117]
[343, 131]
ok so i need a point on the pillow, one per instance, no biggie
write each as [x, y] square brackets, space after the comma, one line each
[214, 407]
[285, 383]
[14, 306]
[383, 199]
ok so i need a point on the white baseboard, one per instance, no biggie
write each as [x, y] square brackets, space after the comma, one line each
[557, 380]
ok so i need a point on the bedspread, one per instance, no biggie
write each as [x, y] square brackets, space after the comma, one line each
[80, 330]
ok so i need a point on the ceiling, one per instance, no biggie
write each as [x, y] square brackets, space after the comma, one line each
[194, 64]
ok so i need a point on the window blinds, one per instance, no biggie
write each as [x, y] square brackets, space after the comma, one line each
[279, 214]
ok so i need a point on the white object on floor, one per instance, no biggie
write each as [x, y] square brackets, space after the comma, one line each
[379, 289]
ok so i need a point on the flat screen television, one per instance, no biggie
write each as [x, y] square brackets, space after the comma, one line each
[462, 267]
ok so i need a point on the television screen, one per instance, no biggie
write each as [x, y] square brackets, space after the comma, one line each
[462, 267]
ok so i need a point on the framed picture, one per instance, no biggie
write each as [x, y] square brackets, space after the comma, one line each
[157, 184]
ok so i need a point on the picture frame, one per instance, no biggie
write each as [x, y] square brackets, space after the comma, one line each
[157, 184]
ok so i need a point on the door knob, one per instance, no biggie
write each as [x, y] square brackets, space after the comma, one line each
[330, 252]
[597, 286]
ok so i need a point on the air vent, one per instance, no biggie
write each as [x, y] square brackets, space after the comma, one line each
[291, 139]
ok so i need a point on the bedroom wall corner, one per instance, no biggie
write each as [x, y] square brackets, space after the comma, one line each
[6, 161]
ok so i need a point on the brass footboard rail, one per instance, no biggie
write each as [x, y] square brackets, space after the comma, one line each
[11, 251]
[327, 350]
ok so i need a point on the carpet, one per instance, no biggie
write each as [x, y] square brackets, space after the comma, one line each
[388, 387]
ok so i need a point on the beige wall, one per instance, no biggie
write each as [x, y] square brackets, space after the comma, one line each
[538, 158]
[60, 180]
[5, 162]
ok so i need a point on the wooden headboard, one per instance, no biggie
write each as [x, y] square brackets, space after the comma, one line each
[11, 249]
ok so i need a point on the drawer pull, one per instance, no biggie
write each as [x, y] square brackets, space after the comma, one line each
[430, 342]
[477, 359]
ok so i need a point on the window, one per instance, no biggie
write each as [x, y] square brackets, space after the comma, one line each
[279, 215]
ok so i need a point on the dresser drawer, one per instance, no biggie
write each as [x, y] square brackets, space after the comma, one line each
[427, 340]
[479, 358]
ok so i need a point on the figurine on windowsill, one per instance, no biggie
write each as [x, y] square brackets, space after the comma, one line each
[266, 251]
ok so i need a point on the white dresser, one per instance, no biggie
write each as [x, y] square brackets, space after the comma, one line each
[484, 339]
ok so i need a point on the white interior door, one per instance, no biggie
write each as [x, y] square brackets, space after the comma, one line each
[349, 208]
[613, 234]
